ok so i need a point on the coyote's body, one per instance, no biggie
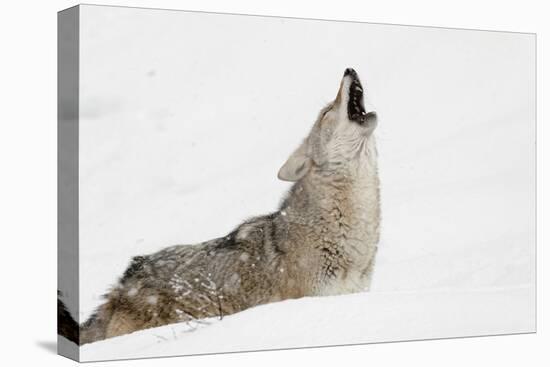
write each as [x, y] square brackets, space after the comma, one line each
[322, 240]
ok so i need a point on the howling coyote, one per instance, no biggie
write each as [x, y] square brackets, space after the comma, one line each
[322, 240]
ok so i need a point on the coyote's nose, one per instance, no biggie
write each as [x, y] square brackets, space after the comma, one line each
[350, 71]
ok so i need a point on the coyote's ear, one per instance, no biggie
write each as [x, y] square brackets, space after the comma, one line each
[296, 166]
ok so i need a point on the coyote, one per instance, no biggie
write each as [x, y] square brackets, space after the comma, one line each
[321, 241]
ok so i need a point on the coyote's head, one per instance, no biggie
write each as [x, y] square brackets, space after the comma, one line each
[338, 140]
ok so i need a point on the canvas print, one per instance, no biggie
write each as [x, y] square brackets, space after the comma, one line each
[234, 183]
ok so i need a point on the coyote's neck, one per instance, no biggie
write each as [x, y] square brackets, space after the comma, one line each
[344, 206]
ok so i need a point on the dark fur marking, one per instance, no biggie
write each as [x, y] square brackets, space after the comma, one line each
[134, 269]
[273, 236]
[228, 242]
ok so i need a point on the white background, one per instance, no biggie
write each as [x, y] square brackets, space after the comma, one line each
[28, 159]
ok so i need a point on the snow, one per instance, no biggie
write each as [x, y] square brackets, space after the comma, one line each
[244, 257]
[177, 147]
[132, 292]
[338, 320]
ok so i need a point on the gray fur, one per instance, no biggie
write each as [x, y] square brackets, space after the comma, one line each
[322, 241]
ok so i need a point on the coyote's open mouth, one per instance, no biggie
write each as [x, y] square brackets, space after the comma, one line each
[356, 106]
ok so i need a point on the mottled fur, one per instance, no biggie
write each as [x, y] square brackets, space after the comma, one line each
[322, 240]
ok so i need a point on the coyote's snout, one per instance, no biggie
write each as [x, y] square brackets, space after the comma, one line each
[356, 102]
[321, 241]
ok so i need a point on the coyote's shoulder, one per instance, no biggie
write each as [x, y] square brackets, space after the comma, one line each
[321, 241]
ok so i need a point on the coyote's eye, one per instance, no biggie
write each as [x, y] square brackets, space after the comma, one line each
[326, 111]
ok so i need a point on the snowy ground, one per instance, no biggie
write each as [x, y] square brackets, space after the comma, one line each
[350, 319]
[181, 138]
